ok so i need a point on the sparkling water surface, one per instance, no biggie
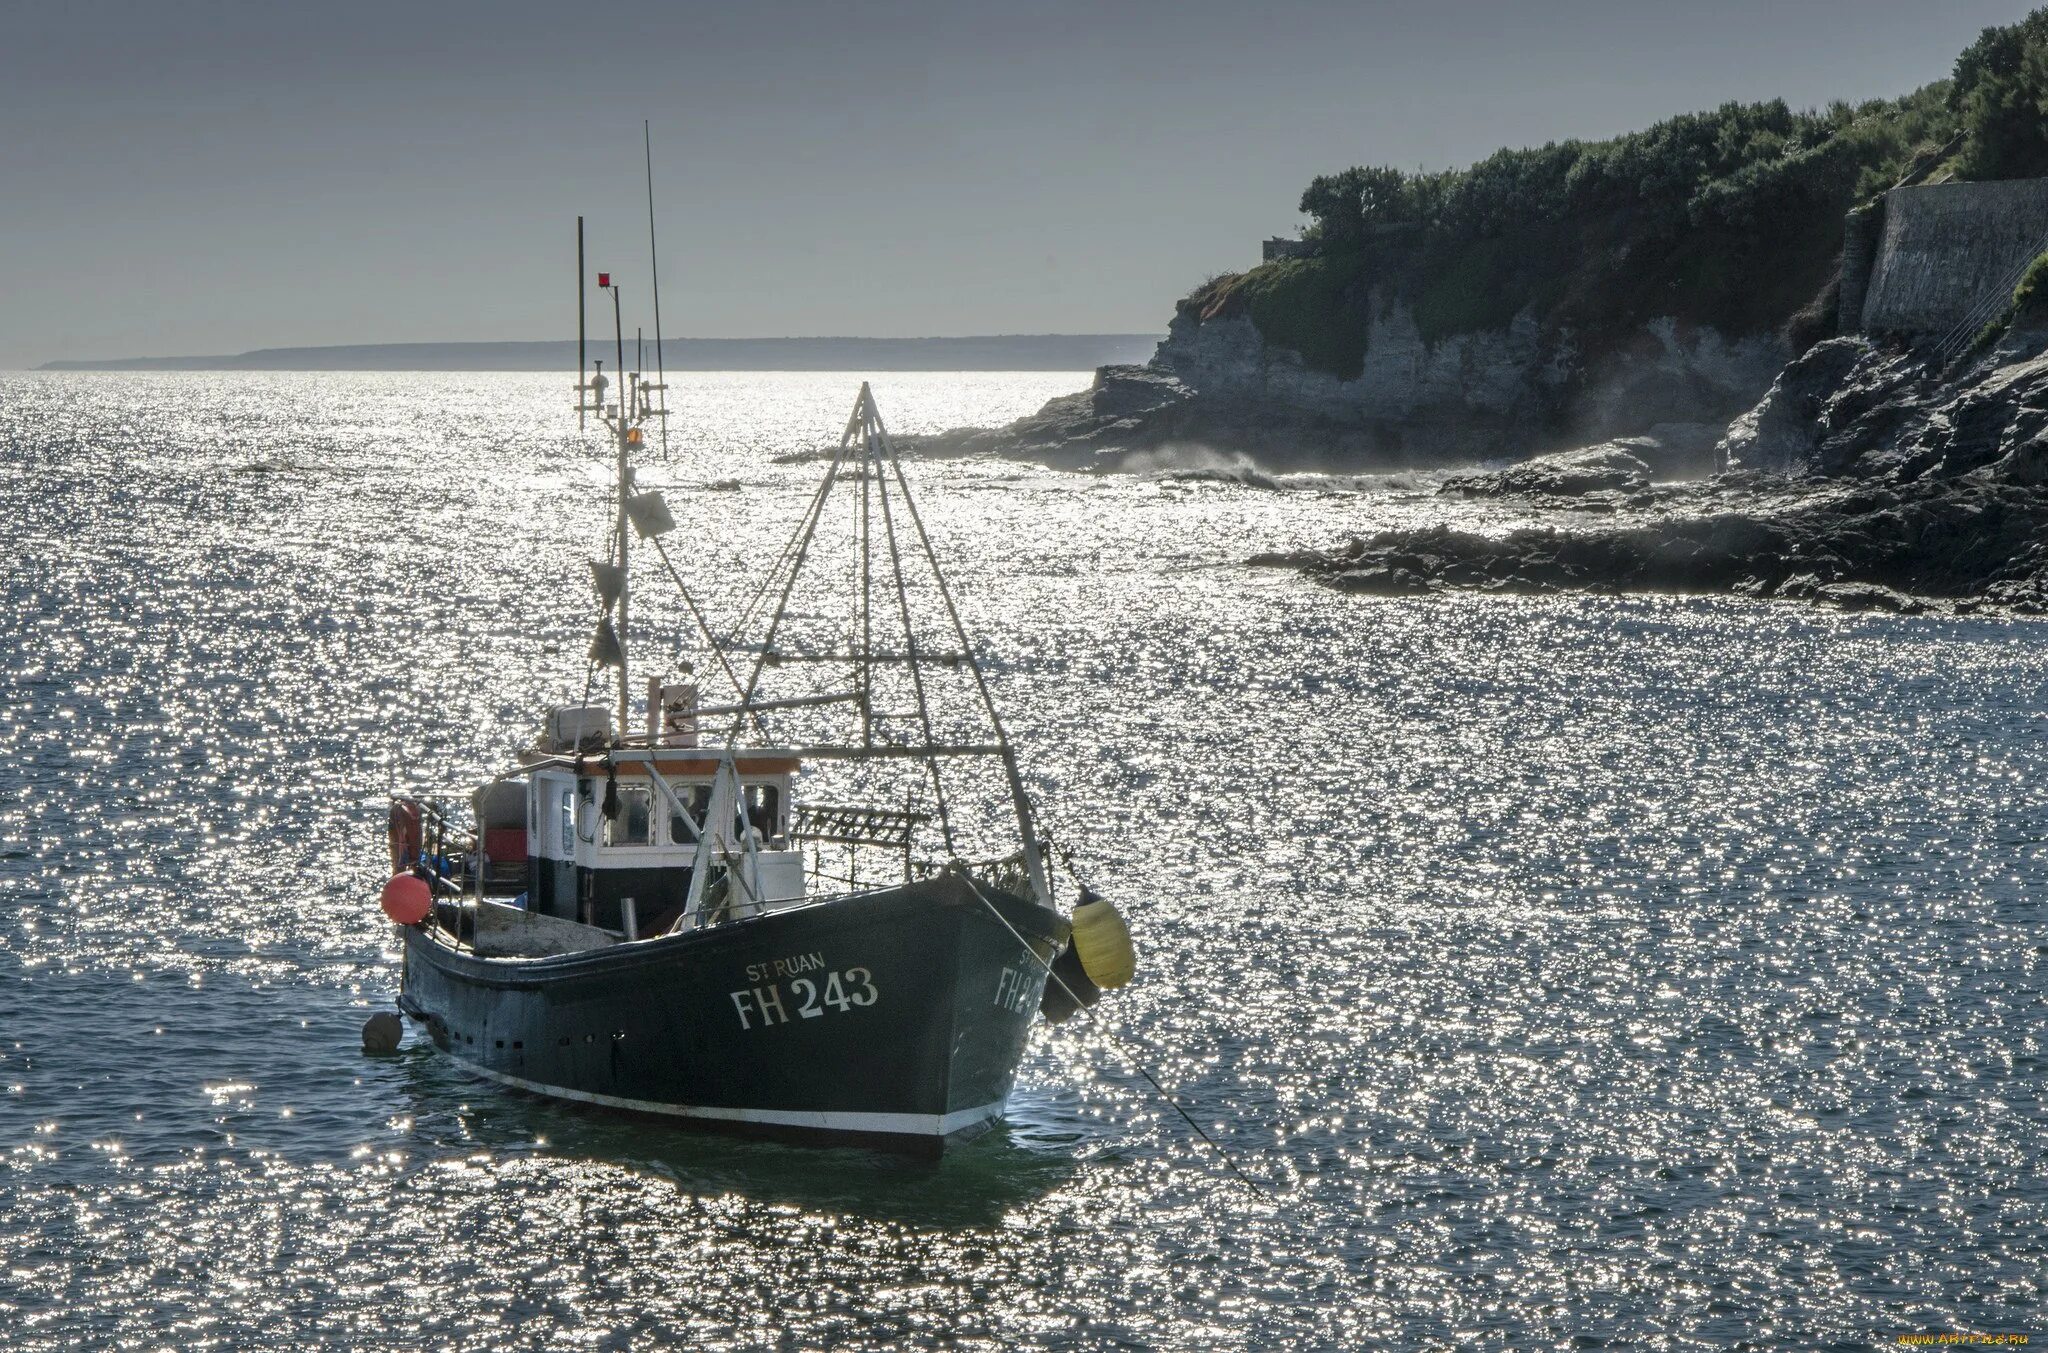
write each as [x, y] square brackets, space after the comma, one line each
[1566, 972]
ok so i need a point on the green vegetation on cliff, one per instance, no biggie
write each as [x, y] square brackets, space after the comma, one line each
[1731, 218]
[2000, 94]
[2029, 306]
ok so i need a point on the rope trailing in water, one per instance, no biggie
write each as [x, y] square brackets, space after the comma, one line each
[1229, 1162]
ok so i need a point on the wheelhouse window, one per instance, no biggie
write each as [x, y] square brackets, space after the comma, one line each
[634, 826]
[568, 815]
[697, 798]
[764, 809]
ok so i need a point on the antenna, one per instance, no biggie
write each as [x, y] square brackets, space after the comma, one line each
[582, 314]
[654, 276]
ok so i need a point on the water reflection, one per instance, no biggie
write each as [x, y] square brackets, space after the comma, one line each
[977, 1184]
[1664, 972]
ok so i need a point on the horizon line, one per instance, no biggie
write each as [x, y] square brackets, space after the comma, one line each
[1058, 351]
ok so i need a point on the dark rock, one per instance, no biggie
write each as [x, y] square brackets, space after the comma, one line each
[1128, 408]
[1780, 435]
[1798, 587]
[1566, 474]
[1922, 487]
[1288, 559]
[1380, 580]
[1867, 597]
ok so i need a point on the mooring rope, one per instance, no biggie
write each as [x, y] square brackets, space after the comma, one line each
[1229, 1162]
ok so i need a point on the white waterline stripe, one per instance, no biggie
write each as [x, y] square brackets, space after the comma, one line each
[910, 1124]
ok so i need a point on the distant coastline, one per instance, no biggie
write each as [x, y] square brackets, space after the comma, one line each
[989, 352]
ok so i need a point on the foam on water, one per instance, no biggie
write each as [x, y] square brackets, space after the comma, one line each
[1663, 972]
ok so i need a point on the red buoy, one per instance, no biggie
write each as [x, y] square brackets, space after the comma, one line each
[407, 899]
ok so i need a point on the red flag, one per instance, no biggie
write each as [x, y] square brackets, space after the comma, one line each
[604, 279]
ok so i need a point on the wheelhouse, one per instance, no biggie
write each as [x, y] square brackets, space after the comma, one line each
[612, 839]
[630, 870]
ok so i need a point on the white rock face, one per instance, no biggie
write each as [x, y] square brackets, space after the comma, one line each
[1507, 387]
[1403, 375]
[1679, 373]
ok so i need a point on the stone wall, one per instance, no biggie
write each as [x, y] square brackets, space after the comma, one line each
[1860, 237]
[1947, 253]
[1279, 247]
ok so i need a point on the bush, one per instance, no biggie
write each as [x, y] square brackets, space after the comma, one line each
[1815, 320]
[1314, 306]
[2000, 93]
[2032, 293]
[1343, 205]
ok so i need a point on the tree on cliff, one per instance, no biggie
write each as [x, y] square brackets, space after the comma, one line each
[1343, 205]
[2000, 91]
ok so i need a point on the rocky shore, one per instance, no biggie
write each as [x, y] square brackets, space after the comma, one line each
[1865, 478]
[1128, 409]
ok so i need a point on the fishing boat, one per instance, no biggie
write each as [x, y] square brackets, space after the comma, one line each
[823, 914]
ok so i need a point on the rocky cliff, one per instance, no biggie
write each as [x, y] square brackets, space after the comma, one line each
[1464, 396]
[1866, 477]
[1218, 383]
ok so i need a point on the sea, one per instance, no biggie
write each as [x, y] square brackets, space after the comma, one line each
[1562, 972]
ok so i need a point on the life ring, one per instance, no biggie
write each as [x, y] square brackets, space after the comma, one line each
[405, 835]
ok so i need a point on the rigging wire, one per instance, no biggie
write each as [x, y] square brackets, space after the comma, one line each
[654, 276]
[803, 547]
[924, 714]
[789, 547]
[945, 592]
[1033, 864]
[704, 628]
[761, 589]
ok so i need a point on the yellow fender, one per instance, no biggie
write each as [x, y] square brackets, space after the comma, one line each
[1104, 942]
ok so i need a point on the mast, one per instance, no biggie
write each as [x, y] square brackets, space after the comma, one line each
[1034, 859]
[645, 514]
[867, 450]
[622, 426]
[864, 666]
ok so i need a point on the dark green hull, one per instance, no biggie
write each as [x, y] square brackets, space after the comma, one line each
[895, 1017]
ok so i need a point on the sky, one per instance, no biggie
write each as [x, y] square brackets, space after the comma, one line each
[182, 177]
